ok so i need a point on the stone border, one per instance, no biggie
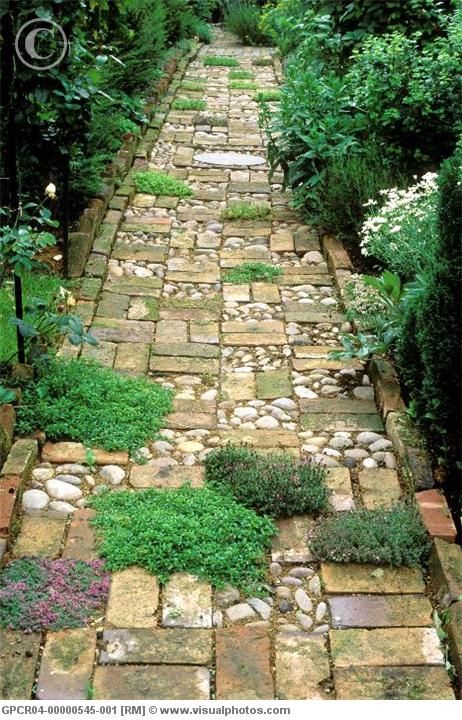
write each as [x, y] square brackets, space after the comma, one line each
[445, 564]
[101, 219]
[13, 476]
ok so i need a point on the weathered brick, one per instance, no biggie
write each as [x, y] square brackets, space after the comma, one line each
[18, 658]
[187, 602]
[21, 458]
[379, 487]
[243, 668]
[339, 482]
[80, 541]
[172, 646]
[273, 384]
[238, 386]
[115, 330]
[386, 647]
[393, 683]
[302, 666]
[39, 537]
[133, 599]
[154, 682]
[347, 579]
[173, 476]
[436, 515]
[290, 545]
[376, 611]
[446, 571]
[453, 628]
[9, 488]
[72, 452]
[67, 665]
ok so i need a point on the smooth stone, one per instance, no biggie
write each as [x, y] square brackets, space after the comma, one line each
[303, 392]
[368, 437]
[63, 491]
[241, 611]
[228, 159]
[321, 611]
[228, 596]
[267, 423]
[112, 474]
[285, 404]
[303, 601]
[61, 508]
[261, 607]
[379, 445]
[364, 392]
[34, 500]
[42, 474]
[275, 569]
[304, 620]
[291, 580]
[315, 586]
[71, 479]
[285, 606]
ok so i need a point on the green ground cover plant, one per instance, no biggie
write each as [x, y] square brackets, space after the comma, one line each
[242, 85]
[38, 595]
[213, 120]
[79, 400]
[158, 183]
[252, 272]
[194, 86]
[188, 104]
[274, 484]
[238, 210]
[268, 96]
[242, 17]
[262, 62]
[241, 75]
[221, 61]
[394, 536]
[196, 531]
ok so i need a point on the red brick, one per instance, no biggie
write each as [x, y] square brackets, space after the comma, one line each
[80, 543]
[243, 664]
[338, 256]
[436, 515]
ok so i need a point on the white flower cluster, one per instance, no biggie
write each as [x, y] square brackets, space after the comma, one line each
[364, 300]
[401, 229]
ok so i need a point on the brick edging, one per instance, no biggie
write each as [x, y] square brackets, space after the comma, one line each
[100, 221]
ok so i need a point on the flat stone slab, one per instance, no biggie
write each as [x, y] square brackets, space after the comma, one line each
[229, 159]
[133, 599]
[136, 252]
[446, 570]
[334, 406]
[386, 647]
[391, 683]
[18, 659]
[80, 541]
[335, 423]
[255, 326]
[302, 665]
[67, 665]
[290, 545]
[254, 339]
[339, 482]
[40, 537]
[186, 349]
[144, 287]
[154, 682]
[352, 578]
[273, 384]
[243, 664]
[170, 477]
[379, 487]
[261, 438]
[380, 611]
[115, 330]
[265, 292]
[238, 386]
[183, 365]
[175, 646]
[187, 602]
[72, 452]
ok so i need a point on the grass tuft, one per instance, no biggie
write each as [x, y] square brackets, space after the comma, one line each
[221, 61]
[252, 272]
[242, 85]
[188, 104]
[158, 183]
[238, 210]
[268, 96]
[241, 75]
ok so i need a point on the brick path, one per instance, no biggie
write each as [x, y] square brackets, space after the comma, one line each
[247, 363]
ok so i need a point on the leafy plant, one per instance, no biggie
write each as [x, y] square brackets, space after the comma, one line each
[242, 17]
[196, 531]
[274, 484]
[220, 61]
[6, 395]
[40, 595]
[82, 401]
[158, 183]
[394, 536]
[238, 210]
[252, 272]
[188, 104]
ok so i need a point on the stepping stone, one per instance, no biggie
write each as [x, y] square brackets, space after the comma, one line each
[194, 350]
[72, 452]
[155, 682]
[183, 365]
[132, 358]
[236, 293]
[290, 545]
[133, 599]
[282, 241]
[140, 253]
[271, 439]
[18, 659]
[265, 293]
[273, 384]
[302, 666]
[187, 602]
[446, 570]
[104, 354]
[40, 537]
[67, 665]
[254, 339]
[348, 422]
[393, 683]
[144, 287]
[339, 482]
[379, 487]
[312, 317]
[352, 578]
[178, 646]
[258, 327]
[238, 386]
[377, 611]
[80, 541]
[114, 330]
[386, 647]
[191, 421]
[229, 159]
[338, 406]
[169, 477]
[243, 666]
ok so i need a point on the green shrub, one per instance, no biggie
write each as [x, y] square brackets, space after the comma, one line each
[188, 104]
[77, 400]
[203, 31]
[158, 183]
[238, 210]
[274, 484]
[220, 61]
[196, 531]
[180, 20]
[252, 272]
[431, 337]
[242, 17]
[393, 536]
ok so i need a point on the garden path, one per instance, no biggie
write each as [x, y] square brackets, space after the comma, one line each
[248, 363]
